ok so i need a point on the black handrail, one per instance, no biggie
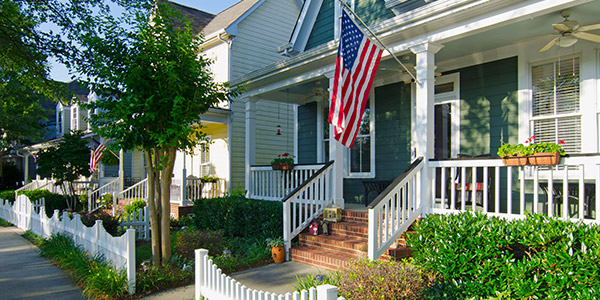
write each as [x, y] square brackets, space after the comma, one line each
[306, 182]
[254, 166]
[394, 183]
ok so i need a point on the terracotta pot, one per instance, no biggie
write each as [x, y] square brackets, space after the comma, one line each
[276, 166]
[286, 166]
[516, 160]
[540, 159]
[278, 253]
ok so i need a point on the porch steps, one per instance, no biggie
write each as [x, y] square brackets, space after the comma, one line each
[347, 241]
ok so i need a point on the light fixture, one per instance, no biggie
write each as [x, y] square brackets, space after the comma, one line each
[566, 41]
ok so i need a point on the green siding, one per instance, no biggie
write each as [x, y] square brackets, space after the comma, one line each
[488, 107]
[373, 11]
[323, 29]
[307, 133]
[392, 138]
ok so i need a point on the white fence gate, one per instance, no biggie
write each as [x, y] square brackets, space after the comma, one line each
[212, 284]
[138, 221]
[118, 250]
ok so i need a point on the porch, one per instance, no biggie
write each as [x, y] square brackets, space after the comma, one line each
[569, 190]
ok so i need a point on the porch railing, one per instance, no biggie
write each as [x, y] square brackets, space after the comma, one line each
[306, 202]
[197, 188]
[33, 185]
[94, 197]
[394, 210]
[569, 190]
[269, 184]
[138, 191]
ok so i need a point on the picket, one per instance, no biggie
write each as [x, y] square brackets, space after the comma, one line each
[139, 221]
[120, 251]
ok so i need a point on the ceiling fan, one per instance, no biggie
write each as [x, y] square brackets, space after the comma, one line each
[317, 92]
[569, 32]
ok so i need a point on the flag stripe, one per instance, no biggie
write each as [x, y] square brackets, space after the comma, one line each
[95, 157]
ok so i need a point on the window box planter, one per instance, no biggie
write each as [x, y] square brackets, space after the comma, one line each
[514, 160]
[542, 159]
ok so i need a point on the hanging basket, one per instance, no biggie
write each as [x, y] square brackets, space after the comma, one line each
[514, 160]
[544, 159]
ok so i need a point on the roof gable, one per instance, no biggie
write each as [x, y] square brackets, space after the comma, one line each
[228, 19]
[198, 19]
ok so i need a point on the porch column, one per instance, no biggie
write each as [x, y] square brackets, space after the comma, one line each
[250, 139]
[336, 153]
[26, 167]
[183, 188]
[424, 119]
[121, 170]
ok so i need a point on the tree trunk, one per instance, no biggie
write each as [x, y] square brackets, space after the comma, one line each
[166, 178]
[153, 209]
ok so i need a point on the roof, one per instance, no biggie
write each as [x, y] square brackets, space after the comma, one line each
[229, 16]
[199, 19]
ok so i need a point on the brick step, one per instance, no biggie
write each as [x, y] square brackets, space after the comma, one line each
[334, 242]
[320, 258]
[349, 229]
[399, 253]
[355, 216]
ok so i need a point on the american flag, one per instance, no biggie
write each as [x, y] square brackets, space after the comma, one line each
[357, 62]
[95, 157]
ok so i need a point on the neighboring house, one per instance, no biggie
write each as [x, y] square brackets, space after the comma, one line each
[240, 39]
[482, 80]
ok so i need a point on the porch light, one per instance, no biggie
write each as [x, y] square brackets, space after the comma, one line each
[278, 130]
[567, 41]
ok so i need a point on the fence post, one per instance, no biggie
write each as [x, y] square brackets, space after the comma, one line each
[327, 292]
[95, 245]
[114, 204]
[286, 228]
[89, 198]
[200, 254]
[130, 236]
[146, 219]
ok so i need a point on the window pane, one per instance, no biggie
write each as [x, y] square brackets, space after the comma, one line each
[326, 123]
[360, 154]
[365, 125]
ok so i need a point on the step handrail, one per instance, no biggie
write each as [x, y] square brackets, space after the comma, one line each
[107, 188]
[395, 209]
[136, 186]
[305, 203]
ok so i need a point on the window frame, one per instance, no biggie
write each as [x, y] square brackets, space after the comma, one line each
[348, 151]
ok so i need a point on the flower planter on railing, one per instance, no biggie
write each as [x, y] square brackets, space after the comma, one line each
[541, 159]
[282, 166]
[514, 160]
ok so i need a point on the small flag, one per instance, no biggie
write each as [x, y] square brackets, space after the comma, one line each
[357, 62]
[35, 158]
[96, 156]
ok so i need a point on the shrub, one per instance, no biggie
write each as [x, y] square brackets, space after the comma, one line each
[245, 253]
[381, 280]
[238, 216]
[189, 240]
[481, 257]
[8, 195]
[110, 223]
[134, 206]
[183, 221]
[52, 201]
[11, 177]
[163, 277]
[309, 280]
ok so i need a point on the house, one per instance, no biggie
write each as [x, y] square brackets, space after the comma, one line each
[485, 73]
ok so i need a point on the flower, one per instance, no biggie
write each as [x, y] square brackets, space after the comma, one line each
[283, 158]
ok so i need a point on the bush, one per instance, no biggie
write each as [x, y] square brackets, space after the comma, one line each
[11, 177]
[161, 278]
[110, 223]
[481, 257]
[381, 280]
[8, 195]
[189, 240]
[309, 281]
[134, 206]
[52, 201]
[237, 216]
[183, 221]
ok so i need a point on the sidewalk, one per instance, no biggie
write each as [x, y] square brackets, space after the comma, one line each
[26, 275]
[275, 278]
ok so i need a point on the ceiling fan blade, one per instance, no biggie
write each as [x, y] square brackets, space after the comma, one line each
[587, 36]
[589, 27]
[561, 27]
[550, 44]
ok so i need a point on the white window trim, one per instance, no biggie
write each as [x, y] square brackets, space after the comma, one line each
[371, 174]
[452, 98]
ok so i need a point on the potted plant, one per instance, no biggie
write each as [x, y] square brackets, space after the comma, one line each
[283, 162]
[545, 153]
[513, 154]
[277, 249]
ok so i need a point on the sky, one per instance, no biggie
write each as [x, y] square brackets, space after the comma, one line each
[60, 73]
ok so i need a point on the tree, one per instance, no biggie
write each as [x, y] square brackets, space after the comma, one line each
[153, 87]
[66, 162]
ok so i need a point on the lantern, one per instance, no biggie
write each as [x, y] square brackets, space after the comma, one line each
[332, 213]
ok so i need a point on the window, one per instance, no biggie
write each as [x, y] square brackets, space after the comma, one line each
[59, 122]
[74, 118]
[360, 157]
[205, 166]
[325, 132]
[555, 103]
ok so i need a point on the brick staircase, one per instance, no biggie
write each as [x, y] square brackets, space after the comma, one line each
[347, 241]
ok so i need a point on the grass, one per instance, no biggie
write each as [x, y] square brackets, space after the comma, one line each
[4, 223]
[34, 239]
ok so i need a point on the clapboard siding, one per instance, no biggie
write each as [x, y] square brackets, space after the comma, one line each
[260, 34]
[323, 29]
[307, 133]
[373, 11]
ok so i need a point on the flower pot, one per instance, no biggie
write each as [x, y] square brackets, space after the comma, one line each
[276, 166]
[278, 253]
[286, 166]
[541, 159]
[516, 160]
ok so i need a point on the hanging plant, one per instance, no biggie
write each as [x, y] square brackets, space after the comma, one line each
[109, 159]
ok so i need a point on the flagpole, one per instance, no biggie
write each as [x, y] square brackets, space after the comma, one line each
[378, 40]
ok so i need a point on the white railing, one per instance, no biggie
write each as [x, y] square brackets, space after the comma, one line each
[212, 284]
[120, 251]
[138, 191]
[94, 197]
[197, 188]
[34, 185]
[138, 221]
[569, 190]
[83, 187]
[394, 210]
[306, 203]
[269, 184]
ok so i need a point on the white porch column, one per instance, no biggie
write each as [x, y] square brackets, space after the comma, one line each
[336, 153]
[121, 170]
[250, 137]
[26, 167]
[424, 119]
[183, 188]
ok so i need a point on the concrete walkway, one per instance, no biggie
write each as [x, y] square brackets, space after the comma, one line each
[26, 275]
[274, 278]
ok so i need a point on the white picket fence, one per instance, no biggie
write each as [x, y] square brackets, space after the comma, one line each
[212, 284]
[138, 221]
[120, 251]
